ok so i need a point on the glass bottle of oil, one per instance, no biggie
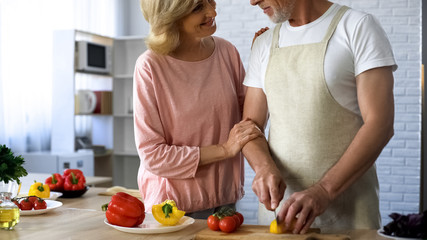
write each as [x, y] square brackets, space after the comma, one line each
[9, 212]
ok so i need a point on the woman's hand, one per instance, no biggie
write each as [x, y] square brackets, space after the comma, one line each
[240, 134]
[259, 32]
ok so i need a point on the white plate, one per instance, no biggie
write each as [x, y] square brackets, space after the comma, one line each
[54, 195]
[151, 226]
[382, 234]
[51, 204]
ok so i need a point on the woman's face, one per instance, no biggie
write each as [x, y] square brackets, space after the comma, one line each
[200, 22]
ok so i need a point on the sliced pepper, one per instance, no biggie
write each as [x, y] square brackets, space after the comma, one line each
[74, 182]
[39, 189]
[167, 213]
[55, 182]
[280, 227]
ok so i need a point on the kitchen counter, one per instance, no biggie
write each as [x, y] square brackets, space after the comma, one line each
[82, 218]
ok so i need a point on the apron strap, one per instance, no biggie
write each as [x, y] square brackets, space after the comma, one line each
[275, 42]
[334, 23]
[328, 35]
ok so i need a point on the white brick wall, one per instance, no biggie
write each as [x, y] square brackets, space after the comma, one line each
[399, 164]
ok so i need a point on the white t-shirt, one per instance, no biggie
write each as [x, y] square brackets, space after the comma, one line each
[358, 44]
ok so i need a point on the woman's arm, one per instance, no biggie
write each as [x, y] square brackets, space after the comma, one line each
[173, 161]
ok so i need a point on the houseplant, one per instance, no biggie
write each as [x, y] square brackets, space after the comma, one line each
[11, 170]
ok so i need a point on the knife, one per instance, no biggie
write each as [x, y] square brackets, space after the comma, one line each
[275, 216]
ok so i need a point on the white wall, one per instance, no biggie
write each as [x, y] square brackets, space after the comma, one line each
[133, 21]
[399, 164]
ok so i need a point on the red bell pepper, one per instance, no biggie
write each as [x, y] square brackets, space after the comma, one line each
[75, 171]
[55, 182]
[125, 210]
[74, 182]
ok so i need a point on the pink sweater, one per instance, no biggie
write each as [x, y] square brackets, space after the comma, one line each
[179, 107]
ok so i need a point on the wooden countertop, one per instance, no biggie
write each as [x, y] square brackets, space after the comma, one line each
[82, 218]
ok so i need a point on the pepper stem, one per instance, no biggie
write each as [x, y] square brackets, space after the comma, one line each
[54, 180]
[167, 208]
[40, 188]
[74, 180]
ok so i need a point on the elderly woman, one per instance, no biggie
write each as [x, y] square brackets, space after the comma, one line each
[188, 101]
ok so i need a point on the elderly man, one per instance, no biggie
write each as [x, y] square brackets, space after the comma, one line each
[323, 77]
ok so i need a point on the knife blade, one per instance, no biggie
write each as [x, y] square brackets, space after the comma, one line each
[275, 216]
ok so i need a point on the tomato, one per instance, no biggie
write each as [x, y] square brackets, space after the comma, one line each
[15, 201]
[25, 204]
[227, 224]
[237, 220]
[213, 222]
[242, 219]
[32, 199]
[40, 204]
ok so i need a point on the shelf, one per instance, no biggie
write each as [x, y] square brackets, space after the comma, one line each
[108, 152]
[94, 73]
[123, 76]
[130, 115]
[114, 131]
[93, 114]
[126, 153]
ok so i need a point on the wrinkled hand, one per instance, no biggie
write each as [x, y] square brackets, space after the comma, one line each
[259, 32]
[240, 134]
[305, 205]
[269, 186]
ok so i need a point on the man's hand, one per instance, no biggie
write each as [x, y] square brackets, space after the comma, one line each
[269, 186]
[306, 206]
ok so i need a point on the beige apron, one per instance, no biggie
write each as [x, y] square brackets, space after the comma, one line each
[310, 131]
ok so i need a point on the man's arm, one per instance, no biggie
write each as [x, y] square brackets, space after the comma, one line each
[376, 102]
[267, 184]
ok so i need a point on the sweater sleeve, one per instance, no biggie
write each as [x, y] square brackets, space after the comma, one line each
[157, 156]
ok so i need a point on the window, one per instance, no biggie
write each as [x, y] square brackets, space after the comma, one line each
[26, 28]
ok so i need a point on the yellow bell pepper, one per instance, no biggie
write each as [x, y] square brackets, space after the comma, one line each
[281, 228]
[167, 213]
[40, 190]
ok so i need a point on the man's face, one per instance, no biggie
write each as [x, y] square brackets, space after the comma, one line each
[277, 10]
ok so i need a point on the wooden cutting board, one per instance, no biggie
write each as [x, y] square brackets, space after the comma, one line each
[252, 232]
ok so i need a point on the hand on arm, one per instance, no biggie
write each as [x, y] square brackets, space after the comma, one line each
[376, 102]
[259, 32]
[268, 184]
[240, 134]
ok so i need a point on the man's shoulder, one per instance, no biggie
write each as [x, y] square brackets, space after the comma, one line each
[355, 16]
[263, 41]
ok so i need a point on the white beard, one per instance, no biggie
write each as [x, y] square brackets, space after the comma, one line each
[283, 14]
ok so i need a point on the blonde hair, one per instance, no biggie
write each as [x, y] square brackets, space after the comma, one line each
[163, 17]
